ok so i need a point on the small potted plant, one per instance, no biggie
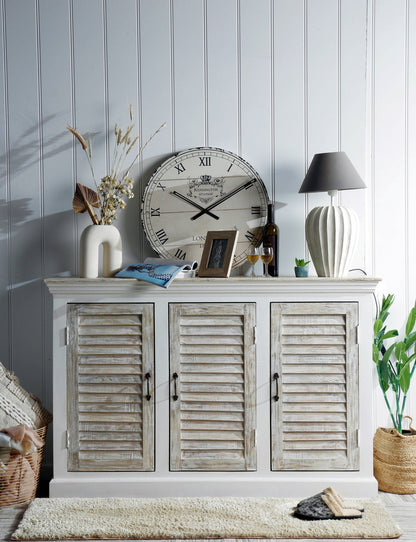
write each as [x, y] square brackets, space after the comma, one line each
[395, 447]
[301, 267]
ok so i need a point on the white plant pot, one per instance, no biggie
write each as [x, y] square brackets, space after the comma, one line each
[91, 238]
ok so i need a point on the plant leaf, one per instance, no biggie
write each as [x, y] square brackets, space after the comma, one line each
[388, 353]
[404, 378]
[84, 200]
[411, 321]
[399, 350]
[393, 380]
[389, 334]
[411, 339]
[378, 324]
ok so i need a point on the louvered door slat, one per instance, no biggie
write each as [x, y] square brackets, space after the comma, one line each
[110, 421]
[212, 422]
[314, 352]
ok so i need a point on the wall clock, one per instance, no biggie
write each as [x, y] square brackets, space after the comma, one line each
[200, 190]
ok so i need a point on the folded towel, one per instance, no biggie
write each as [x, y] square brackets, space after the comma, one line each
[26, 440]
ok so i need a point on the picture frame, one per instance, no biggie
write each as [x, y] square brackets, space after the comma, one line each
[218, 253]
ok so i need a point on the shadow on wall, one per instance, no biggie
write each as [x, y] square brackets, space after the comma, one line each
[25, 153]
[38, 249]
[25, 341]
[129, 220]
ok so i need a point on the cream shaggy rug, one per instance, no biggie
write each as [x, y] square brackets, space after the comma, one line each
[205, 517]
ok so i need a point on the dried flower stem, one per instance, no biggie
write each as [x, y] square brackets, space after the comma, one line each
[86, 148]
[141, 149]
[115, 187]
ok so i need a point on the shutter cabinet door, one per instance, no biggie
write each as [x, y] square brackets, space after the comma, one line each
[110, 417]
[212, 352]
[314, 351]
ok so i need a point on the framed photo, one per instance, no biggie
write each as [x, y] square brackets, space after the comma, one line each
[218, 253]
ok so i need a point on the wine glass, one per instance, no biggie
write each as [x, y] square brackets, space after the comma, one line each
[266, 256]
[252, 257]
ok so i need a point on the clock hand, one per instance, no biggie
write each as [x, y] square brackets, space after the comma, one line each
[229, 195]
[178, 195]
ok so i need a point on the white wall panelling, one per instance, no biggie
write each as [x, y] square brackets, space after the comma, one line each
[273, 80]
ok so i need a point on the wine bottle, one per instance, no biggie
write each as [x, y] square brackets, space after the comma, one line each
[271, 239]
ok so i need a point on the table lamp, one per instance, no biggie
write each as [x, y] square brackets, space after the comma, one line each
[331, 231]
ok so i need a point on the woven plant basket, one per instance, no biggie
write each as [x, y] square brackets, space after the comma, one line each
[19, 477]
[395, 460]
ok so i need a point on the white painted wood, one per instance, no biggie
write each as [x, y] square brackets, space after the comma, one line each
[206, 293]
[24, 209]
[322, 83]
[290, 144]
[255, 85]
[222, 74]
[110, 418]
[314, 405]
[213, 416]
[390, 216]
[188, 85]
[155, 33]
[5, 331]
[352, 112]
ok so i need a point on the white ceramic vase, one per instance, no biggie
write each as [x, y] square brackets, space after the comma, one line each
[92, 237]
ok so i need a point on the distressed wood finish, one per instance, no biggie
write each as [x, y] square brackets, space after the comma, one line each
[110, 420]
[213, 353]
[315, 353]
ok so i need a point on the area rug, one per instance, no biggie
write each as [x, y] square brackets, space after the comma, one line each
[195, 518]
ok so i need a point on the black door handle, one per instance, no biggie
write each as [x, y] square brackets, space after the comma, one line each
[175, 391]
[276, 379]
[147, 377]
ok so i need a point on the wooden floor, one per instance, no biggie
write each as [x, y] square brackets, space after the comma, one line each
[401, 507]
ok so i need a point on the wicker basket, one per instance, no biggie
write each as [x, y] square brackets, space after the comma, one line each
[19, 480]
[395, 460]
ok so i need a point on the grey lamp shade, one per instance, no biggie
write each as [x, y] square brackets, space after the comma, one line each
[331, 171]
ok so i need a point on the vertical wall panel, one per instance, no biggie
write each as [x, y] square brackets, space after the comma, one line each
[289, 126]
[389, 150]
[222, 74]
[322, 83]
[89, 85]
[5, 328]
[58, 231]
[388, 103]
[56, 153]
[255, 86]
[352, 107]
[122, 87]
[410, 151]
[155, 94]
[189, 74]
[411, 171]
[25, 193]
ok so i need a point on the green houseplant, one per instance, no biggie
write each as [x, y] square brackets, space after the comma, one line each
[301, 267]
[395, 448]
[395, 363]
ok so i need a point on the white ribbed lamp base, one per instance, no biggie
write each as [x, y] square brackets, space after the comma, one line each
[332, 235]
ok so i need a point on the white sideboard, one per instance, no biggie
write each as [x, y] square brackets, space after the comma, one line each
[239, 386]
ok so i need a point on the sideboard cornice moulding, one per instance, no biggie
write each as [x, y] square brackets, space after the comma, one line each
[172, 392]
[282, 285]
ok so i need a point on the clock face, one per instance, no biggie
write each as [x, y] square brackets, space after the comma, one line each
[200, 190]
